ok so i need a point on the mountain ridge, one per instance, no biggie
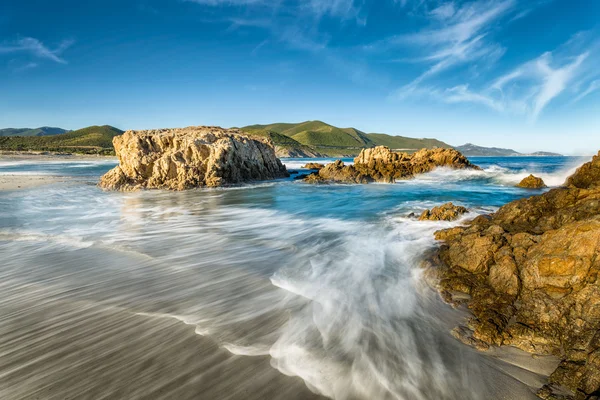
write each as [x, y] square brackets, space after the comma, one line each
[472, 150]
[327, 140]
[26, 132]
[90, 140]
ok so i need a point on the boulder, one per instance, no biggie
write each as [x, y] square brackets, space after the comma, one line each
[313, 165]
[338, 172]
[380, 164]
[445, 212]
[190, 157]
[532, 182]
[530, 275]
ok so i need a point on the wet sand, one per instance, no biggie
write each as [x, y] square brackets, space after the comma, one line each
[60, 349]
[17, 182]
[49, 156]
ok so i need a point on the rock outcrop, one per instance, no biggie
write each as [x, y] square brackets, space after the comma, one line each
[312, 165]
[380, 164]
[530, 275]
[532, 182]
[190, 157]
[445, 212]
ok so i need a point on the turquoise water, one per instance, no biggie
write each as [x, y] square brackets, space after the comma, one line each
[324, 280]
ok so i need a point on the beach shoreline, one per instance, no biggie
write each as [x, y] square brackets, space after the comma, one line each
[50, 156]
[10, 181]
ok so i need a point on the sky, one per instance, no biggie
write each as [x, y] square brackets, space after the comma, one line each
[523, 74]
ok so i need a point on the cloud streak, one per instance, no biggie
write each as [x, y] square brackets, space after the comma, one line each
[529, 88]
[37, 49]
[458, 35]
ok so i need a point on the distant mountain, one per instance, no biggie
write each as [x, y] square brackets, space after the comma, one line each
[316, 138]
[26, 132]
[471, 150]
[90, 140]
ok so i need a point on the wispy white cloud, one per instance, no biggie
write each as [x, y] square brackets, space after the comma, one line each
[37, 49]
[26, 67]
[457, 35]
[528, 89]
[461, 94]
[343, 9]
[592, 87]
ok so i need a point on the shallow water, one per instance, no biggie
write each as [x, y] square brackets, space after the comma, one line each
[273, 290]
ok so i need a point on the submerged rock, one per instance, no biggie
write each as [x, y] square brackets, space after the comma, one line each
[532, 182]
[445, 212]
[380, 164]
[190, 157]
[530, 275]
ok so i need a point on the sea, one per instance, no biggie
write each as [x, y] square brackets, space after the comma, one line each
[272, 290]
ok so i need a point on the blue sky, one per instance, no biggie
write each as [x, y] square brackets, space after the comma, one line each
[511, 73]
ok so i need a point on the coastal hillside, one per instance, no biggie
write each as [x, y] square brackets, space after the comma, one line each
[41, 131]
[471, 150]
[323, 139]
[90, 140]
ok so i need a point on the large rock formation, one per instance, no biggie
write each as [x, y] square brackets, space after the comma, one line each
[190, 157]
[380, 164]
[530, 275]
[532, 182]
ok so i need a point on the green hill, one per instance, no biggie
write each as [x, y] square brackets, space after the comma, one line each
[329, 140]
[402, 143]
[90, 140]
[42, 131]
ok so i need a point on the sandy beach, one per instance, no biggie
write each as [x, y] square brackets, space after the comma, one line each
[18, 181]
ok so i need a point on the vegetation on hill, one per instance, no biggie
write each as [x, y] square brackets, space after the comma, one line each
[90, 140]
[42, 131]
[404, 143]
[332, 141]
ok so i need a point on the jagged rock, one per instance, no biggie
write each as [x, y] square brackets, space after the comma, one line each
[190, 157]
[313, 165]
[338, 172]
[532, 182]
[380, 164]
[530, 275]
[445, 212]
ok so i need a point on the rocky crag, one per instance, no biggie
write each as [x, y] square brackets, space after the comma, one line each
[532, 182]
[380, 164]
[445, 212]
[190, 157]
[530, 276]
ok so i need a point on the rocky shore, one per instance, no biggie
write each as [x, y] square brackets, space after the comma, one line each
[380, 164]
[530, 276]
[190, 157]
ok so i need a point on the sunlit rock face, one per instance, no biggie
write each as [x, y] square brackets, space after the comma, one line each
[532, 182]
[184, 158]
[445, 212]
[529, 273]
[380, 164]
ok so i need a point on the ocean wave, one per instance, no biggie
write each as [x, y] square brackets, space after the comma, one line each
[496, 174]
